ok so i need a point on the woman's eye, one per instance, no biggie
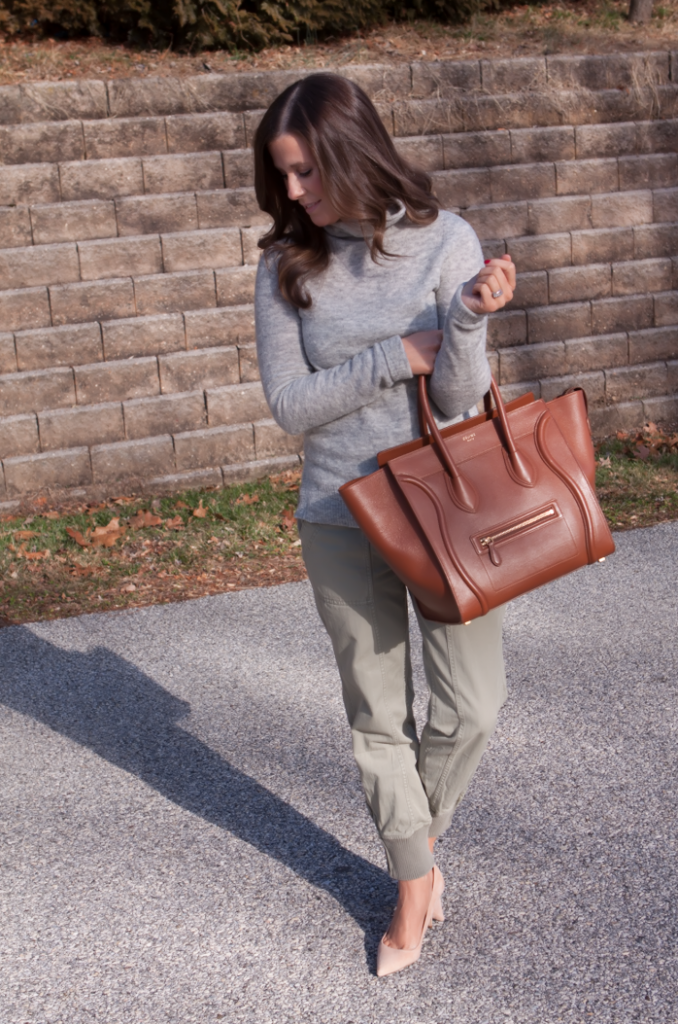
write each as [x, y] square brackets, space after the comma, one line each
[304, 174]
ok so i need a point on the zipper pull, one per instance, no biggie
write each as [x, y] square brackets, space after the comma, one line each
[494, 554]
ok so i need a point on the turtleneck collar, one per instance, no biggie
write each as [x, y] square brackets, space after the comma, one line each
[354, 228]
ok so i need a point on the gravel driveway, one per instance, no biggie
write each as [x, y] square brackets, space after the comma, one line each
[183, 837]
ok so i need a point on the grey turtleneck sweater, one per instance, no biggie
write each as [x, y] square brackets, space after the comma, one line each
[337, 372]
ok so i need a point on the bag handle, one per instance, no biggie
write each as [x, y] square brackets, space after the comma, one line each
[517, 463]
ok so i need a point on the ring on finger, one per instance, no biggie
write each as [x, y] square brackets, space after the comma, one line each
[497, 294]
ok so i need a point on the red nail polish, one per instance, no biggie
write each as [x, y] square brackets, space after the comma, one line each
[486, 262]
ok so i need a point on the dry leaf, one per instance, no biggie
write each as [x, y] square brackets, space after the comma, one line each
[82, 570]
[106, 536]
[24, 534]
[121, 501]
[288, 520]
[144, 518]
[129, 588]
[181, 504]
[200, 511]
[84, 542]
[247, 499]
[50, 515]
[175, 524]
[32, 556]
[91, 509]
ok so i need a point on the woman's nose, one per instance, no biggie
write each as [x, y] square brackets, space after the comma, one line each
[294, 189]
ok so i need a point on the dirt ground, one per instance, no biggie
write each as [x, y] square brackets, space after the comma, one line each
[581, 26]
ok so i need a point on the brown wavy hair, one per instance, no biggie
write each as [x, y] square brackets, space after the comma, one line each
[360, 168]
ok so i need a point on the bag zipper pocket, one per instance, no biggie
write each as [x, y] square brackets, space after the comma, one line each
[487, 542]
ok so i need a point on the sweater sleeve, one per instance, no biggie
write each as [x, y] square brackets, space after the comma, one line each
[300, 397]
[462, 373]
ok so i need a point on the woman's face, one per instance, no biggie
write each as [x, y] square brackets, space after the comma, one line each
[293, 159]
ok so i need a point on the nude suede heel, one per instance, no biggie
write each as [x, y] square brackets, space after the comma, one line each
[437, 913]
[390, 960]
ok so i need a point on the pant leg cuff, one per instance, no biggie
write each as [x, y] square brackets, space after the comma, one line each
[409, 858]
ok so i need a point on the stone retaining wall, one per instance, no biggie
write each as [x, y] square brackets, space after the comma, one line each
[128, 230]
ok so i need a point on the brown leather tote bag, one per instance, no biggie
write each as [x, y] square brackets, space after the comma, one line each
[480, 512]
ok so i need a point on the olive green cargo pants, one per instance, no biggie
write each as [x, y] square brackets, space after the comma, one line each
[412, 785]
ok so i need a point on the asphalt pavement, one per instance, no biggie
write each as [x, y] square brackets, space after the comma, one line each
[183, 837]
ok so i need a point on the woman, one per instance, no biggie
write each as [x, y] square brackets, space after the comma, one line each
[363, 285]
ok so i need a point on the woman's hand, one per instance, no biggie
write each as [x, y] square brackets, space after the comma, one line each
[421, 350]
[492, 288]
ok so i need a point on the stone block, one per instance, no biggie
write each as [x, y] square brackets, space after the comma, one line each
[165, 414]
[572, 284]
[636, 276]
[101, 179]
[602, 246]
[193, 250]
[530, 362]
[87, 425]
[209, 328]
[494, 248]
[117, 381]
[592, 383]
[625, 383]
[182, 172]
[610, 418]
[596, 353]
[525, 109]
[148, 215]
[245, 472]
[427, 117]
[173, 293]
[598, 140]
[214, 446]
[15, 226]
[493, 360]
[33, 390]
[557, 323]
[238, 168]
[658, 170]
[23, 308]
[157, 96]
[435, 79]
[143, 336]
[205, 132]
[8, 362]
[456, 189]
[73, 222]
[654, 344]
[92, 300]
[18, 436]
[514, 182]
[581, 176]
[59, 101]
[658, 136]
[476, 149]
[58, 346]
[562, 213]
[621, 209]
[190, 480]
[541, 252]
[381, 82]
[229, 208]
[199, 370]
[513, 74]
[506, 328]
[665, 205]
[235, 285]
[252, 119]
[132, 461]
[249, 363]
[39, 264]
[531, 290]
[237, 403]
[606, 71]
[425, 153]
[32, 474]
[504, 220]
[621, 314]
[538, 145]
[511, 391]
[251, 252]
[41, 142]
[661, 410]
[271, 440]
[29, 183]
[672, 368]
[118, 257]
[124, 136]
[666, 309]
[651, 240]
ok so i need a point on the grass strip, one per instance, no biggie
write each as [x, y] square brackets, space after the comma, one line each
[128, 551]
